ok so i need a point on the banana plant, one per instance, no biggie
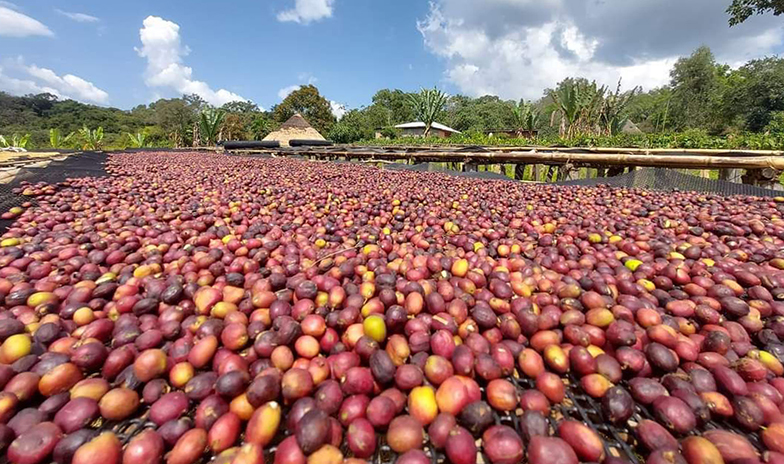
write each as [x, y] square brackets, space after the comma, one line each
[91, 139]
[56, 139]
[613, 110]
[138, 140]
[568, 103]
[526, 116]
[210, 121]
[17, 141]
[427, 105]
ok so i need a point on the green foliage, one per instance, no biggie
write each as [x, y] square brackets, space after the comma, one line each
[389, 108]
[240, 119]
[261, 126]
[484, 114]
[690, 139]
[757, 91]
[613, 116]
[526, 116]
[352, 127]
[91, 139]
[17, 141]
[705, 104]
[210, 121]
[583, 107]
[741, 10]
[137, 140]
[56, 140]
[651, 110]
[310, 104]
[579, 106]
[697, 85]
[776, 123]
[427, 106]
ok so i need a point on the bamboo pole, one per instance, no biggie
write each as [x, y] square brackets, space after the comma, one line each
[585, 158]
[632, 150]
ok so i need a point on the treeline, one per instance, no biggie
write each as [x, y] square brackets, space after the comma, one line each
[705, 105]
[176, 122]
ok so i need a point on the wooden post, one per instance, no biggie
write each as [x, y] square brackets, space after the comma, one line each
[730, 175]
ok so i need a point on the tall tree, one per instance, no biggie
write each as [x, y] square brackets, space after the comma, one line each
[391, 107]
[352, 127]
[741, 10]
[176, 117]
[696, 86]
[310, 104]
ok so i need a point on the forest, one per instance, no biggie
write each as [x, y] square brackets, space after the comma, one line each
[706, 104]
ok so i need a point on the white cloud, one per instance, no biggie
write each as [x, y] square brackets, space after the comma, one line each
[43, 80]
[16, 24]
[164, 51]
[518, 48]
[69, 85]
[307, 11]
[286, 91]
[78, 17]
[16, 86]
[338, 109]
[305, 77]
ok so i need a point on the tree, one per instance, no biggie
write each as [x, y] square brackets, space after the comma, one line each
[42, 102]
[176, 117]
[233, 127]
[240, 107]
[210, 121]
[390, 108]
[352, 127]
[261, 126]
[741, 10]
[428, 105]
[482, 114]
[310, 104]
[696, 85]
[755, 91]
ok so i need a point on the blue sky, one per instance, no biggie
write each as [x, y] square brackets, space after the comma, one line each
[126, 53]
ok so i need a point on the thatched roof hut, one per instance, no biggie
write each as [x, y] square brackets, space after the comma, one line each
[296, 128]
[630, 128]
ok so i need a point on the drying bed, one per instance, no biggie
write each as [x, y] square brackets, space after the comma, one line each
[193, 307]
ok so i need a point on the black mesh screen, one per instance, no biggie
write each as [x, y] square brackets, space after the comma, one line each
[88, 164]
[671, 180]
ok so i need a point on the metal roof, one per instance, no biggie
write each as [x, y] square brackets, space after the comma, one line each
[421, 125]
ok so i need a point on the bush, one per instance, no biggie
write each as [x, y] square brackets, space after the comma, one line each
[690, 139]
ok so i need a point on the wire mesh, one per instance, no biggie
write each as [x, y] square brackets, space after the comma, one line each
[669, 180]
